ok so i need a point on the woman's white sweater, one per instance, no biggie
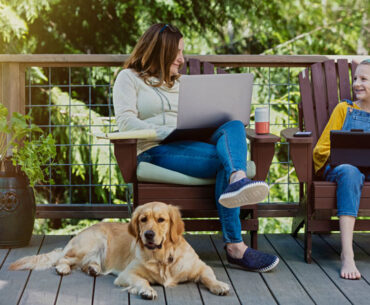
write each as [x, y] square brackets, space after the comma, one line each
[140, 106]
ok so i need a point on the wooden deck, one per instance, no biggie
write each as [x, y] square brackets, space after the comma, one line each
[292, 282]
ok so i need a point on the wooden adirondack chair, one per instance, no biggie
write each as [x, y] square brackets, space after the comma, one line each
[319, 87]
[196, 201]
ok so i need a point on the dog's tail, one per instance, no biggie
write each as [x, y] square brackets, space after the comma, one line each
[37, 262]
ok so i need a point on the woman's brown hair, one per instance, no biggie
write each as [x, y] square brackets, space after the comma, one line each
[154, 54]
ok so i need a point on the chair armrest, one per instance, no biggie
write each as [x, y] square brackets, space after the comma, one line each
[261, 138]
[300, 153]
[262, 151]
[288, 134]
[125, 151]
[129, 134]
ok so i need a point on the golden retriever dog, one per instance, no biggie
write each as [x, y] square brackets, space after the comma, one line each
[150, 249]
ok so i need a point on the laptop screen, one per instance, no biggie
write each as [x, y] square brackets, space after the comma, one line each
[210, 100]
[350, 147]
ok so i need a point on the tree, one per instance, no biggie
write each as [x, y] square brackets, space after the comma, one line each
[15, 18]
[212, 26]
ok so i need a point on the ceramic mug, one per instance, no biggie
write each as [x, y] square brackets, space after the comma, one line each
[261, 116]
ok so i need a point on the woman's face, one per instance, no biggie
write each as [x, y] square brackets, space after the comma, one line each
[361, 83]
[174, 69]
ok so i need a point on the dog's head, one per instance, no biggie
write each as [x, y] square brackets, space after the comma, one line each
[155, 223]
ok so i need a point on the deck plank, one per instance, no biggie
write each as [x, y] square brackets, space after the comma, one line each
[357, 292]
[281, 280]
[3, 254]
[363, 241]
[183, 294]
[203, 246]
[106, 292]
[12, 283]
[43, 285]
[249, 286]
[293, 281]
[75, 288]
[361, 257]
[311, 276]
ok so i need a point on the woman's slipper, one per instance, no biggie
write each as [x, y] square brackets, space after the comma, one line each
[254, 260]
[244, 192]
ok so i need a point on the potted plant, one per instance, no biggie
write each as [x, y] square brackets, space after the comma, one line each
[24, 149]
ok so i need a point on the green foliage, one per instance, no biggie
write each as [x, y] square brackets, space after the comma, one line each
[69, 226]
[274, 225]
[213, 26]
[29, 152]
[85, 158]
[15, 18]
[33, 155]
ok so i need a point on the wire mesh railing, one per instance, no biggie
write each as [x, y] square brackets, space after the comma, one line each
[73, 103]
[70, 96]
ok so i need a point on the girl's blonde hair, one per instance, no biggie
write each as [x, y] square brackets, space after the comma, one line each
[154, 54]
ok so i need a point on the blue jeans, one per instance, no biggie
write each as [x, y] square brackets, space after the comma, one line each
[224, 154]
[350, 181]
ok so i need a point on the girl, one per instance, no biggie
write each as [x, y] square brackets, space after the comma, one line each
[347, 115]
[145, 95]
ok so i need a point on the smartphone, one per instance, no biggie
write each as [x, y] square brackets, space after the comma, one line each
[303, 134]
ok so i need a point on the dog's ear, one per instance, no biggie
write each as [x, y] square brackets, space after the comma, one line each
[177, 226]
[133, 226]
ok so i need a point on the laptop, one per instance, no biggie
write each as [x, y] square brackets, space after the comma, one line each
[350, 147]
[208, 101]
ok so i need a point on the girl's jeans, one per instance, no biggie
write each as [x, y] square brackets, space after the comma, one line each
[349, 178]
[350, 181]
[226, 153]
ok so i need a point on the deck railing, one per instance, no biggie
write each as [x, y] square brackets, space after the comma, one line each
[70, 96]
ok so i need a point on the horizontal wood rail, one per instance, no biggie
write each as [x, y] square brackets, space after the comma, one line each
[64, 60]
[82, 211]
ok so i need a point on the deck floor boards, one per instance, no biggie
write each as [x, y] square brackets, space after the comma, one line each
[357, 292]
[292, 282]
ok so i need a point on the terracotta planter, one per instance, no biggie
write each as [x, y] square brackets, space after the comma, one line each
[17, 210]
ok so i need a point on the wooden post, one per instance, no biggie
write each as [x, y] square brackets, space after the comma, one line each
[12, 88]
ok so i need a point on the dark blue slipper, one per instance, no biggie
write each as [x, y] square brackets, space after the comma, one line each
[254, 260]
[244, 192]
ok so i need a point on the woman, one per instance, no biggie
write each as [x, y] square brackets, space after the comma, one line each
[145, 95]
[347, 115]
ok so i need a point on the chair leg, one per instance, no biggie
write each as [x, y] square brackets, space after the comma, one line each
[254, 233]
[254, 239]
[297, 224]
[299, 219]
[128, 195]
[308, 246]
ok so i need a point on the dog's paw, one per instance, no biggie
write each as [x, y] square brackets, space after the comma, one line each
[119, 281]
[63, 269]
[220, 288]
[93, 270]
[148, 293]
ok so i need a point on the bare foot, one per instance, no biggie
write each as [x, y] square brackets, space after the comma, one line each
[349, 270]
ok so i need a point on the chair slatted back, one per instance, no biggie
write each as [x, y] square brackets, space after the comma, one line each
[194, 66]
[322, 86]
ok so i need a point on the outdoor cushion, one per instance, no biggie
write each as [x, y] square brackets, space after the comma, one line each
[147, 172]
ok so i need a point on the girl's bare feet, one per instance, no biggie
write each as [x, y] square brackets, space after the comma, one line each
[349, 270]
